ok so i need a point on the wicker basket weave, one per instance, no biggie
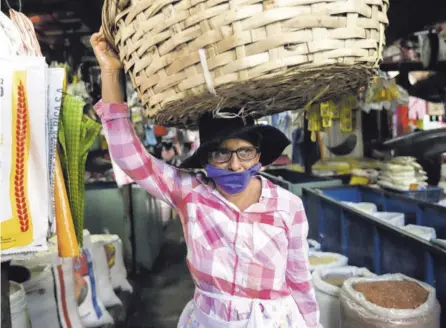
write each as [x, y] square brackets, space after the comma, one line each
[191, 56]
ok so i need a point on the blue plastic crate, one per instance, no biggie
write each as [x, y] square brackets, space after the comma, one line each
[430, 194]
[295, 181]
[374, 244]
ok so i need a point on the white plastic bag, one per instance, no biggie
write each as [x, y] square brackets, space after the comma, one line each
[362, 206]
[91, 309]
[327, 294]
[17, 301]
[115, 258]
[357, 312]
[319, 260]
[393, 218]
[313, 245]
[50, 296]
[420, 231]
[102, 274]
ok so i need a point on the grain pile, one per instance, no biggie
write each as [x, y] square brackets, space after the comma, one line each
[401, 295]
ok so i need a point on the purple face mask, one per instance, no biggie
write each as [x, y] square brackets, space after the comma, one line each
[232, 182]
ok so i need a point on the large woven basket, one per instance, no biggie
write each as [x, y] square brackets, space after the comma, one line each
[188, 57]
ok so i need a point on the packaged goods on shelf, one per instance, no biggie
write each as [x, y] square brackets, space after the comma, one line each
[327, 284]
[392, 300]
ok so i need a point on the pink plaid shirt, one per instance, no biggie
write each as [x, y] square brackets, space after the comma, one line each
[261, 252]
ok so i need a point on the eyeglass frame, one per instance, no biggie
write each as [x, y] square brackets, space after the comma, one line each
[236, 152]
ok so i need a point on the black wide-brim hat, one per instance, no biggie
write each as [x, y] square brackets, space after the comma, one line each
[214, 130]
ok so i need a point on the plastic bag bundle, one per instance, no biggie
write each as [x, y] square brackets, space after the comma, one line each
[327, 284]
[320, 260]
[115, 258]
[17, 301]
[91, 308]
[50, 294]
[357, 311]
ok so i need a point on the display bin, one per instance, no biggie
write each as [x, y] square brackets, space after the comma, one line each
[374, 244]
[295, 181]
[430, 194]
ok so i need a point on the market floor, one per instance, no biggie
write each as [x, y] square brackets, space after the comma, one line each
[161, 295]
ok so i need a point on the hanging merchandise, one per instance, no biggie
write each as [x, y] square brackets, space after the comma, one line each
[25, 189]
[319, 260]
[10, 40]
[150, 139]
[102, 273]
[77, 133]
[50, 293]
[91, 308]
[392, 300]
[19, 311]
[56, 77]
[327, 285]
[382, 93]
[27, 33]
[115, 258]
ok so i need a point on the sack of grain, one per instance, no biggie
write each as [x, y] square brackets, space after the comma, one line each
[17, 301]
[327, 284]
[115, 258]
[319, 260]
[392, 300]
[50, 294]
[362, 206]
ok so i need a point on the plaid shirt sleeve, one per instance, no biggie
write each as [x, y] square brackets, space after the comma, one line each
[298, 272]
[161, 180]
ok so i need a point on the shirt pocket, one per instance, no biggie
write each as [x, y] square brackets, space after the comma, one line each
[269, 243]
[206, 235]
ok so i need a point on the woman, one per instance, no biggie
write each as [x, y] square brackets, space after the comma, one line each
[246, 237]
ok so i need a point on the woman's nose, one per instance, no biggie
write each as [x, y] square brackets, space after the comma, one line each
[235, 164]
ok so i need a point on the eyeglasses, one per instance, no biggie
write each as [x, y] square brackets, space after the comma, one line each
[244, 154]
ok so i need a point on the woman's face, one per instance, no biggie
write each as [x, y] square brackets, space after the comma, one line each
[234, 155]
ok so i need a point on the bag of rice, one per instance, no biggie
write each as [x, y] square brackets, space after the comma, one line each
[50, 294]
[392, 300]
[393, 218]
[115, 258]
[319, 260]
[327, 285]
[91, 309]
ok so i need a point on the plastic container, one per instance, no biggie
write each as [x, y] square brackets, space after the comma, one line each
[369, 242]
[17, 301]
[295, 181]
[429, 194]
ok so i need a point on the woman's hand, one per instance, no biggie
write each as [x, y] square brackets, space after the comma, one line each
[106, 56]
[111, 68]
